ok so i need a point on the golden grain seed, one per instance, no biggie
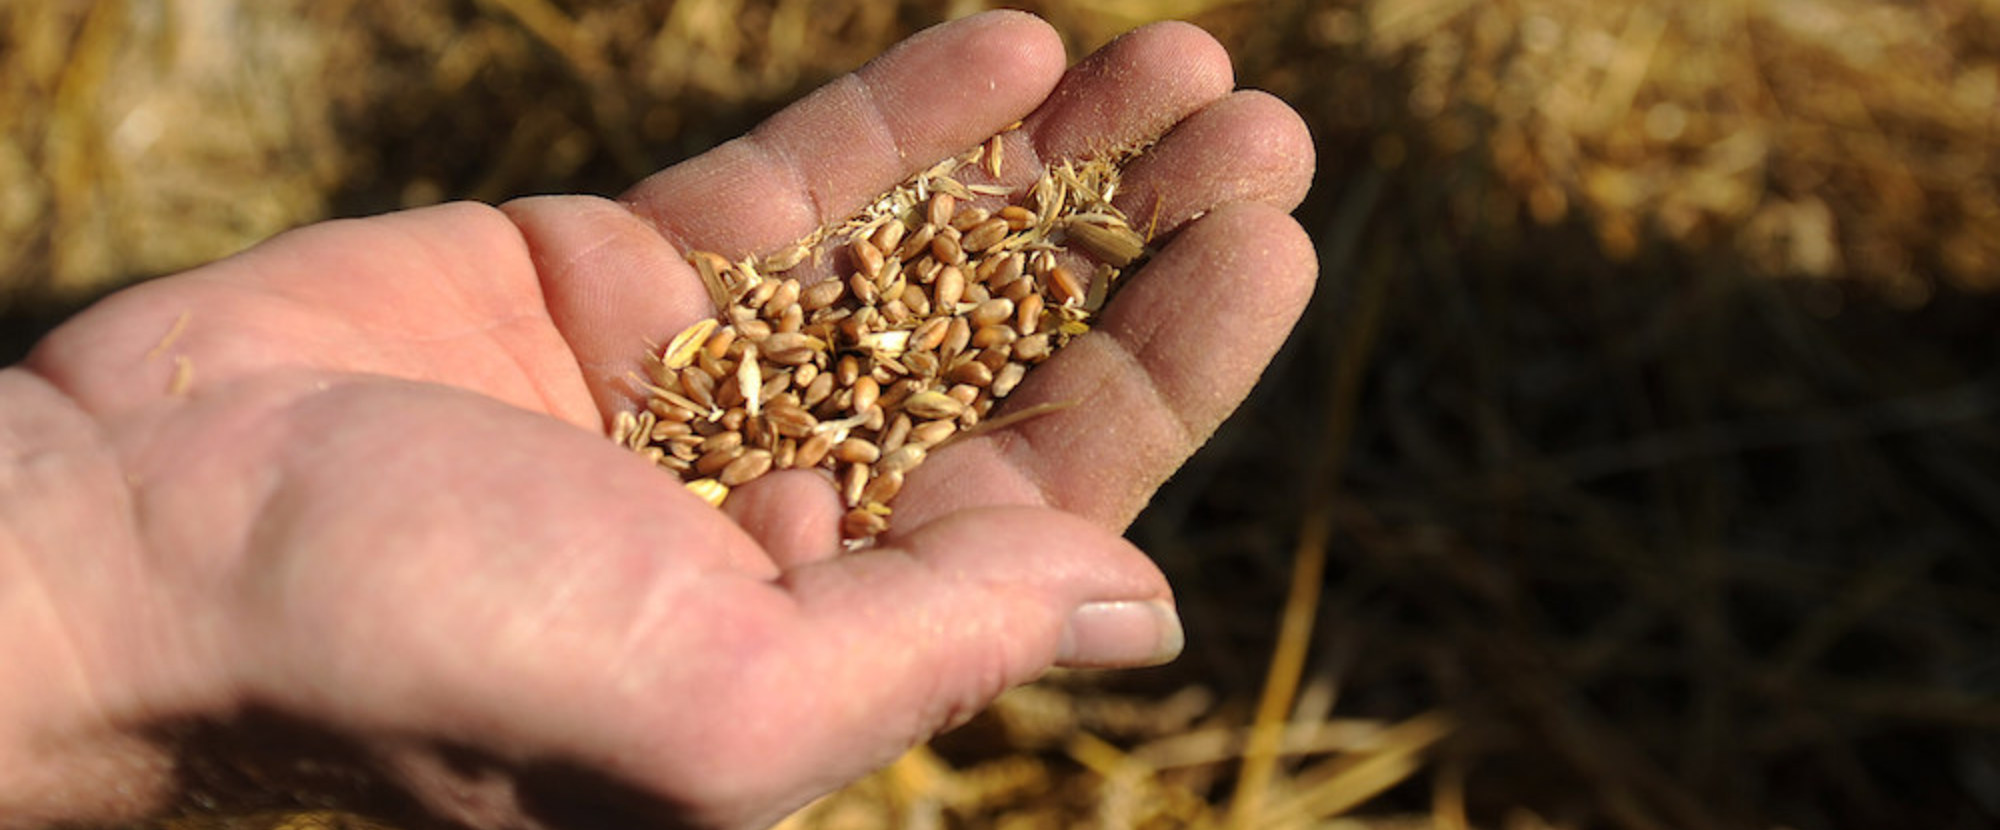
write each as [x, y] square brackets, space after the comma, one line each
[813, 449]
[665, 430]
[990, 313]
[729, 395]
[904, 459]
[895, 313]
[882, 488]
[711, 463]
[1065, 286]
[1032, 349]
[867, 258]
[896, 433]
[719, 343]
[967, 217]
[984, 235]
[862, 524]
[916, 301]
[733, 419]
[853, 479]
[818, 390]
[1006, 379]
[1100, 288]
[931, 433]
[1115, 245]
[642, 429]
[995, 335]
[957, 336]
[1017, 217]
[786, 259]
[675, 408]
[996, 149]
[1018, 290]
[922, 364]
[889, 236]
[929, 334]
[746, 468]
[785, 456]
[1028, 314]
[711, 267]
[785, 297]
[791, 348]
[750, 380]
[790, 320]
[949, 287]
[699, 387]
[774, 385]
[972, 372]
[947, 250]
[790, 420]
[995, 357]
[856, 450]
[822, 294]
[623, 425]
[721, 441]
[942, 207]
[931, 404]
[709, 490]
[681, 349]
[895, 394]
[866, 390]
[917, 242]
[863, 287]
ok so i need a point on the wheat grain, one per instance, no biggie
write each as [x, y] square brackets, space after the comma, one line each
[939, 307]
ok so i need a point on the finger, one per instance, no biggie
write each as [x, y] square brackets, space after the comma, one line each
[817, 161]
[1130, 91]
[883, 649]
[1245, 147]
[1124, 95]
[1174, 354]
[613, 288]
[794, 514]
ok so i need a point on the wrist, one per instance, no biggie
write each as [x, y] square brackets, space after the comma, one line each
[69, 558]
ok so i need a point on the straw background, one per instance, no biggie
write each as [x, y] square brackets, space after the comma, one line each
[1636, 466]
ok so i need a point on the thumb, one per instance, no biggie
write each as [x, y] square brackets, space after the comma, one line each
[887, 647]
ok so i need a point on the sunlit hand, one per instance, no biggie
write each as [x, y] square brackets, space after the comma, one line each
[357, 475]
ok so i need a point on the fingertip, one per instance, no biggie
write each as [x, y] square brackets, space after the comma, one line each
[1121, 634]
[1248, 146]
[1134, 89]
[1016, 38]
[1275, 141]
[1206, 61]
[1264, 264]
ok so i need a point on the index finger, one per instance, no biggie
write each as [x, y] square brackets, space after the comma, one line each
[819, 160]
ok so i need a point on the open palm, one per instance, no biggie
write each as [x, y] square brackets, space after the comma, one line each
[368, 486]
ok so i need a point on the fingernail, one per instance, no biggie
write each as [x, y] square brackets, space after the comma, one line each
[1121, 634]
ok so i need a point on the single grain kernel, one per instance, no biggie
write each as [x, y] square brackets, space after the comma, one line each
[984, 235]
[746, 468]
[932, 404]
[1064, 285]
[904, 459]
[856, 450]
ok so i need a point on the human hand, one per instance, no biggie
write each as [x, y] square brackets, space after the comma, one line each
[377, 498]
